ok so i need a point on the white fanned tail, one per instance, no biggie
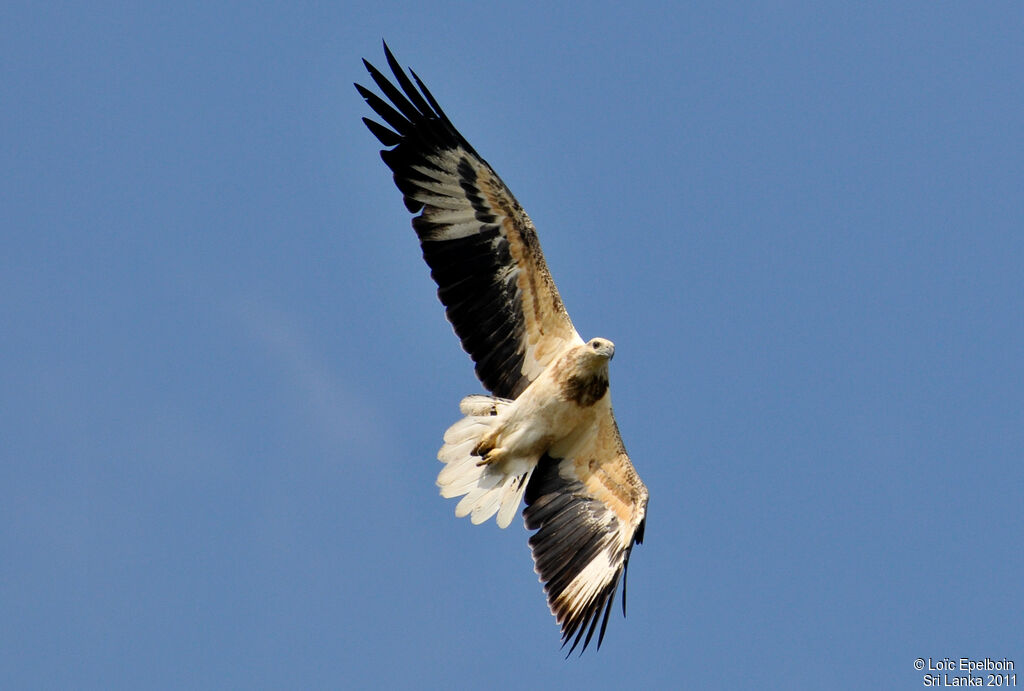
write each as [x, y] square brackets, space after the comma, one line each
[489, 489]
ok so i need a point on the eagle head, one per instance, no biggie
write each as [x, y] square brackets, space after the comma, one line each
[583, 372]
[601, 347]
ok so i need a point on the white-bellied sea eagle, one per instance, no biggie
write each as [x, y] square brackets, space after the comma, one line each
[547, 433]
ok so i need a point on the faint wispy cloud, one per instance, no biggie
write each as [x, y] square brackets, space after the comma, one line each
[342, 418]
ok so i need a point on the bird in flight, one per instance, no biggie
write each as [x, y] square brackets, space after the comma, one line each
[546, 434]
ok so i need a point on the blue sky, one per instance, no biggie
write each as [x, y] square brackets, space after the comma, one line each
[224, 374]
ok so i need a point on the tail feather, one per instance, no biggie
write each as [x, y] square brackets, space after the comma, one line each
[489, 489]
[515, 487]
[468, 428]
[458, 460]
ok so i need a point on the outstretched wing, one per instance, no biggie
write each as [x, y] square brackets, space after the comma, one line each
[481, 246]
[588, 512]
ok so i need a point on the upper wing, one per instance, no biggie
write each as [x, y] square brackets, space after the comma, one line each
[481, 246]
[588, 512]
